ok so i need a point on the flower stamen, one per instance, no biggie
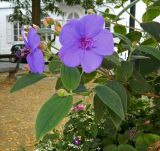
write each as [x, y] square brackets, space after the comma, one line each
[86, 43]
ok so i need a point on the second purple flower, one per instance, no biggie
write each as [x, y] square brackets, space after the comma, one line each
[33, 54]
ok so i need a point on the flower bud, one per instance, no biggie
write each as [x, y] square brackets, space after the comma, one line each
[79, 107]
[62, 92]
[90, 11]
[48, 21]
[58, 27]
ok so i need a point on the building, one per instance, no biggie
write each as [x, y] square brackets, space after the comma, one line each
[10, 32]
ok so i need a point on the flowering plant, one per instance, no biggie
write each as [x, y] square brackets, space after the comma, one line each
[88, 65]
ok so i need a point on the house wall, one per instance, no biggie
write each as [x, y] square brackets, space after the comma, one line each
[6, 30]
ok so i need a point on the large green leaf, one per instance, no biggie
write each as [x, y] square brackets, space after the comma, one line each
[27, 80]
[145, 141]
[120, 90]
[51, 113]
[152, 28]
[111, 99]
[99, 108]
[115, 118]
[124, 72]
[150, 50]
[70, 77]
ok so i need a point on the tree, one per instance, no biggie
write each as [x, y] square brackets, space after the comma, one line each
[35, 10]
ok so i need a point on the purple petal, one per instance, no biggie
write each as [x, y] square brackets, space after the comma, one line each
[69, 33]
[35, 61]
[25, 38]
[70, 55]
[33, 39]
[104, 44]
[93, 24]
[90, 61]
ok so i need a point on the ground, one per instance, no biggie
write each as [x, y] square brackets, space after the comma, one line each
[18, 112]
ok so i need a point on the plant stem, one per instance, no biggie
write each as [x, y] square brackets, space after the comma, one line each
[133, 17]
[125, 26]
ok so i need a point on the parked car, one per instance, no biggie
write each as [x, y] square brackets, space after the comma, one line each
[15, 50]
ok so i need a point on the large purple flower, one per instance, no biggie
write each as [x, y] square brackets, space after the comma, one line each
[34, 57]
[85, 42]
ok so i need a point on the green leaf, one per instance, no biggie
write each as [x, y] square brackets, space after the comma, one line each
[134, 37]
[123, 38]
[70, 77]
[123, 138]
[114, 58]
[88, 77]
[27, 80]
[126, 8]
[124, 72]
[148, 65]
[135, 57]
[149, 41]
[115, 118]
[146, 140]
[110, 148]
[120, 29]
[99, 108]
[59, 84]
[150, 50]
[80, 89]
[151, 14]
[153, 28]
[152, 11]
[111, 99]
[139, 85]
[126, 147]
[120, 90]
[51, 113]
[54, 65]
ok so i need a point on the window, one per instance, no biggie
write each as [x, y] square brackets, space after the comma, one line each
[72, 15]
[16, 31]
[107, 25]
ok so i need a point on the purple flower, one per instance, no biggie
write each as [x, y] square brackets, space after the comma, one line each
[34, 55]
[79, 107]
[76, 141]
[85, 42]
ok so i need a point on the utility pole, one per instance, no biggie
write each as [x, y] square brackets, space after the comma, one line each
[131, 20]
